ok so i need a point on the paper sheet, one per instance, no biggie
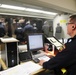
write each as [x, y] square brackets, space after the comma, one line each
[55, 42]
[24, 69]
[9, 40]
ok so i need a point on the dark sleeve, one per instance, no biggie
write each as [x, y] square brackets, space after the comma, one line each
[15, 31]
[59, 61]
[4, 31]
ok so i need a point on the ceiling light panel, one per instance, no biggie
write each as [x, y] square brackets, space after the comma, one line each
[12, 7]
[27, 9]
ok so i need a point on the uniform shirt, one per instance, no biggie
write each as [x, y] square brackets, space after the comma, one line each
[2, 30]
[58, 29]
[19, 33]
[28, 27]
[64, 59]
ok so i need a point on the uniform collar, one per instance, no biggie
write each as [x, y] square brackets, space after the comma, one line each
[74, 37]
[71, 39]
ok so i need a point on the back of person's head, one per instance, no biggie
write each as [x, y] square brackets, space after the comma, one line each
[16, 20]
[73, 19]
[71, 26]
[34, 24]
[9, 20]
[45, 23]
[58, 24]
[28, 22]
[21, 21]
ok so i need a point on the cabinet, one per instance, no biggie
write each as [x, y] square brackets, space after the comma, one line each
[9, 51]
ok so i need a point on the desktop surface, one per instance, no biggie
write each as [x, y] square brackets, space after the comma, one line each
[27, 68]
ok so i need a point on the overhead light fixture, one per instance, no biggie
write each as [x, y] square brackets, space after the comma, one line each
[12, 7]
[27, 9]
[40, 11]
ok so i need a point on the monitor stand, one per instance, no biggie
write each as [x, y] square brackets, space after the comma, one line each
[36, 52]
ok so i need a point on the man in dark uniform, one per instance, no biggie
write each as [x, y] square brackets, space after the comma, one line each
[2, 30]
[58, 31]
[67, 57]
[19, 34]
[27, 29]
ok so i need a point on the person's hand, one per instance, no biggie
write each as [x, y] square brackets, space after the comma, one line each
[50, 54]
[41, 62]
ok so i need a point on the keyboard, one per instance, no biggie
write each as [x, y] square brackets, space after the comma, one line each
[41, 56]
[46, 58]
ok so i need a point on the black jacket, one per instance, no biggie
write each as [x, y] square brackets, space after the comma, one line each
[2, 30]
[65, 59]
[19, 34]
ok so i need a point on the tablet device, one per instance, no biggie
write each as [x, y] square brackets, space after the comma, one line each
[55, 42]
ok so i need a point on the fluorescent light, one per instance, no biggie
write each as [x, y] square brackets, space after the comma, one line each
[49, 13]
[12, 7]
[40, 11]
[27, 9]
[33, 10]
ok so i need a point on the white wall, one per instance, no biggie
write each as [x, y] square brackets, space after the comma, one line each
[62, 19]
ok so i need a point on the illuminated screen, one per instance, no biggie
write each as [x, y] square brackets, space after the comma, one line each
[35, 41]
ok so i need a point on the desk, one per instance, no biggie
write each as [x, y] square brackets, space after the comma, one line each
[32, 68]
[27, 68]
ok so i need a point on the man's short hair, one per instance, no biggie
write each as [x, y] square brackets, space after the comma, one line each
[73, 18]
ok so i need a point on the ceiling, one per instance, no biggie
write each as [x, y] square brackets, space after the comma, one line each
[31, 4]
[36, 4]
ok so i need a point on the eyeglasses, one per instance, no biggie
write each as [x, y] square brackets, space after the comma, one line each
[69, 23]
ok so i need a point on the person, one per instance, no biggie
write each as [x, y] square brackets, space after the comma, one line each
[58, 31]
[9, 25]
[35, 28]
[2, 29]
[45, 28]
[19, 34]
[27, 29]
[67, 57]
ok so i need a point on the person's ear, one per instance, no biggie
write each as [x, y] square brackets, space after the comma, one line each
[74, 27]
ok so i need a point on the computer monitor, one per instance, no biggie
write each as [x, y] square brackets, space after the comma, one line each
[35, 42]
